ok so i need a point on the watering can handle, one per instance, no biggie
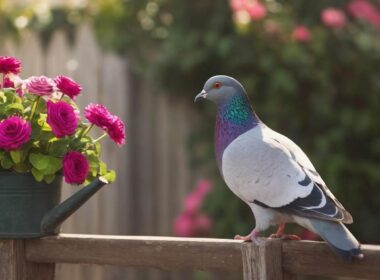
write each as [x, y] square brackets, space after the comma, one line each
[61, 212]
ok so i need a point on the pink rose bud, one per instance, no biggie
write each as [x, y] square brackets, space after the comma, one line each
[62, 118]
[184, 225]
[67, 86]
[301, 34]
[42, 86]
[333, 18]
[14, 132]
[9, 64]
[75, 168]
[98, 115]
[116, 130]
[256, 10]
[364, 10]
[8, 83]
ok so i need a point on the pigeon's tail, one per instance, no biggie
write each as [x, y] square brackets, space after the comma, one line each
[339, 238]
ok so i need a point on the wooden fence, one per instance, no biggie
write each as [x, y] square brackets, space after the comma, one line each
[272, 259]
[153, 172]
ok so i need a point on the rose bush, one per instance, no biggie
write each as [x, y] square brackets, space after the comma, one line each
[41, 131]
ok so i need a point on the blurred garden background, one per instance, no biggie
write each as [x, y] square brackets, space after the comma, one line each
[311, 68]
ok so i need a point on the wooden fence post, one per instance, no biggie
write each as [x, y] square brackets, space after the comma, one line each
[263, 261]
[13, 265]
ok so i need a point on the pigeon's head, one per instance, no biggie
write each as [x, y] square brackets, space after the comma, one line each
[221, 89]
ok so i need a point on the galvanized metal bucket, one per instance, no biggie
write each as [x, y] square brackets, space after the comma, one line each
[30, 209]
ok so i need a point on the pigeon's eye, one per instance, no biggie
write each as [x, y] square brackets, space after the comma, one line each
[217, 85]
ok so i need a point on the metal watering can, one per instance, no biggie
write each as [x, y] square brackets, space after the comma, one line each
[30, 209]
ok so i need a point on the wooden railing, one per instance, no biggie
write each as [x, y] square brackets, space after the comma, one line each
[271, 259]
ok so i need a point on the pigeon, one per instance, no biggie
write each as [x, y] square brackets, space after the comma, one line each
[270, 173]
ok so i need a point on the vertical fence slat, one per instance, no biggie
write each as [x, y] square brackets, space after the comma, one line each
[263, 261]
[13, 265]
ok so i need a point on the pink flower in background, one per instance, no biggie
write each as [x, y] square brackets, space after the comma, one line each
[184, 225]
[238, 5]
[42, 86]
[14, 132]
[62, 118]
[364, 10]
[9, 64]
[116, 130]
[98, 115]
[334, 18]
[191, 222]
[75, 167]
[67, 86]
[256, 10]
[301, 34]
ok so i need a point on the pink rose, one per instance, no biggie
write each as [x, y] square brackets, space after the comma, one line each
[193, 203]
[301, 34]
[67, 86]
[9, 64]
[256, 10]
[203, 187]
[116, 130]
[98, 115]
[62, 118]
[183, 225]
[42, 86]
[238, 5]
[75, 168]
[364, 10]
[8, 83]
[333, 18]
[14, 132]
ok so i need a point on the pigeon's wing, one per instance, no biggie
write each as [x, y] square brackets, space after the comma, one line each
[320, 191]
[261, 169]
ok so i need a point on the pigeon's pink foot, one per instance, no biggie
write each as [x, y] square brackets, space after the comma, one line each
[250, 237]
[280, 234]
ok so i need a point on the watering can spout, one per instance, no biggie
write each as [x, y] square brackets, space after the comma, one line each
[61, 212]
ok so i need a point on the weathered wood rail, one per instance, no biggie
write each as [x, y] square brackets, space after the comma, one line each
[271, 259]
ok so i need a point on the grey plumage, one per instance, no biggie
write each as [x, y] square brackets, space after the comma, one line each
[271, 173]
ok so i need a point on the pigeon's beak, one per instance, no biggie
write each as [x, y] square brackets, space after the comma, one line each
[202, 94]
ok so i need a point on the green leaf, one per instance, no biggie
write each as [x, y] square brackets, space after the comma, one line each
[16, 156]
[6, 162]
[109, 177]
[39, 161]
[37, 175]
[21, 167]
[14, 107]
[48, 165]
[49, 178]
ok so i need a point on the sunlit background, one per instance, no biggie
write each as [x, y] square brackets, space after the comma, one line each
[311, 68]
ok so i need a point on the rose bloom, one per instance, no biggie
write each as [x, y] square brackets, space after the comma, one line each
[42, 86]
[116, 130]
[14, 132]
[256, 10]
[301, 34]
[9, 64]
[333, 18]
[62, 118]
[364, 10]
[67, 86]
[8, 83]
[75, 168]
[98, 115]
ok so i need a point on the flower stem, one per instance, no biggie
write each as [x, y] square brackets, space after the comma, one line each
[34, 107]
[100, 138]
[85, 131]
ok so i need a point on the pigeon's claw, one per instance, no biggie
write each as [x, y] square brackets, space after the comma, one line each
[281, 234]
[250, 237]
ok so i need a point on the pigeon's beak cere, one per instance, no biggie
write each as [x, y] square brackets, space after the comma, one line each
[202, 94]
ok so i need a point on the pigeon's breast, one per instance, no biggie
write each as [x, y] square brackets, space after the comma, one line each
[256, 168]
